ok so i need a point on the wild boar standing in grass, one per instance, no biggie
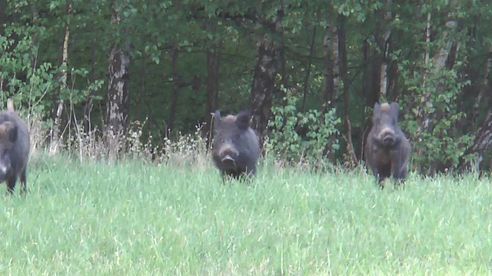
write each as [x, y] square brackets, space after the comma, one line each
[235, 149]
[14, 148]
[387, 150]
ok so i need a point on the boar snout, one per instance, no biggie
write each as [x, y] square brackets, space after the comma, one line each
[228, 155]
[228, 161]
[387, 137]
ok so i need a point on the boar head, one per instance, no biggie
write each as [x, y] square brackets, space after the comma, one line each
[385, 124]
[229, 136]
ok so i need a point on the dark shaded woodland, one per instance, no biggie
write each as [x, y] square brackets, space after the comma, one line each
[101, 65]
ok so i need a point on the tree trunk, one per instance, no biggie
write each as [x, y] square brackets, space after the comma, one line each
[372, 76]
[308, 70]
[175, 90]
[375, 77]
[118, 94]
[118, 99]
[87, 113]
[427, 48]
[88, 105]
[482, 145]
[423, 121]
[376, 81]
[3, 16]
[393, 74]
[212, 87]
[55, 129]
[332, 72]
[483, 140]
[263, 87]
[369, 92]
[384, 44]
[484, 86]
[35, 35]
[342, 49]
[281, 47]
[212, 80]
[270, 63]
[331, 61]
[446, 55]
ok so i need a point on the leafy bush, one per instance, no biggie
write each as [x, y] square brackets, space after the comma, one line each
[36, 85]
[297, 136]
[437, 144]
[21, 75]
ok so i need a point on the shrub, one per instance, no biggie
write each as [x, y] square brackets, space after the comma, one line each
[302, 136]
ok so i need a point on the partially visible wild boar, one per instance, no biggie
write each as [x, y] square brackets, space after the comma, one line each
[235, 149]
[387, 149]
[14, 148]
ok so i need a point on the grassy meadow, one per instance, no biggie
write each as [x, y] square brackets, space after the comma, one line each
[135, 218]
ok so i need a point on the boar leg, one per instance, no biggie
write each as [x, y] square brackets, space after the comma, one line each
[400, 177]
[399, 171]
[11, 184]
[382, 173]
[23, 178]
[380, 180]
[376, 174]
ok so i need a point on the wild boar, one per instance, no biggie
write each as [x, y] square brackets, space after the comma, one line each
[387, 150]
[14, 148]
[235, 149]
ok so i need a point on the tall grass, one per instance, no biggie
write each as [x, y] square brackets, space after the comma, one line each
[136, 218]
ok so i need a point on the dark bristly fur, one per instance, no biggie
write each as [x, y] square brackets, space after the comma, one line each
[14, 148]
[387, 150]
[236, 148]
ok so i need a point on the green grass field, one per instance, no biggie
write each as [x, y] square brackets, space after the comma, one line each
[136, 219]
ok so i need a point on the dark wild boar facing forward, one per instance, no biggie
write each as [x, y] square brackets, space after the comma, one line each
[14, 148]
[235, 149]
[387, 149]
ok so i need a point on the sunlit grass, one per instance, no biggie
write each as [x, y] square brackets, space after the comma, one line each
[134, 218]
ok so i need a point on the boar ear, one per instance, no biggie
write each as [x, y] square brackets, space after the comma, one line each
[242, 119]
[395, 109]
[216, 116]
[8, 130]
[377, 107]
[376, 111]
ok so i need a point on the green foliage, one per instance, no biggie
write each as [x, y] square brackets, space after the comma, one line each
[432, 96]
[22, 76]
[30, 81]
[140, 219]
[320, 132]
